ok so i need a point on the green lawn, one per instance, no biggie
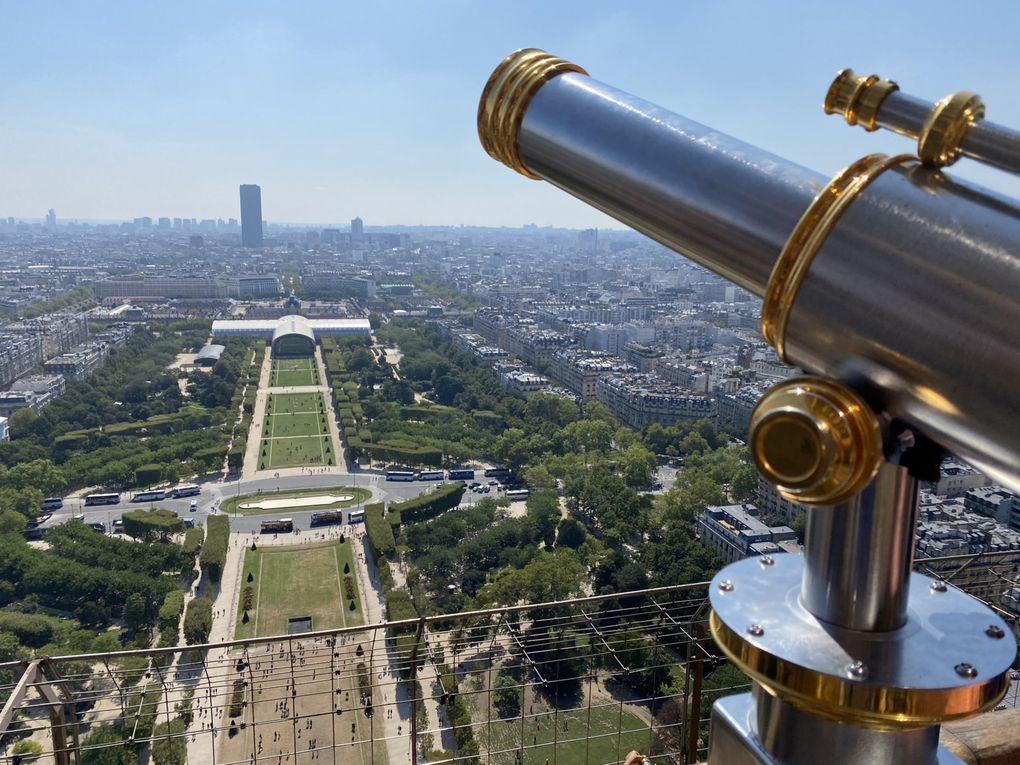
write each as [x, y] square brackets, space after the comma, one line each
[304, 424]
[293, 372]
[291, 403]
[305, 580]
[295, 432]
[603, 735]
[360, 495]
[293, 452]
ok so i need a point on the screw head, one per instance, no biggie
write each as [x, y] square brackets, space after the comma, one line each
[857, 670]
[963, 669]
[939, 586]
[995, 631]
[766, 560]
[726, 585]
[756, 629]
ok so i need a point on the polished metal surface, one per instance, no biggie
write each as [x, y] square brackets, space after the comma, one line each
[903, 114]
[917, 281]
[985, 141]
[815, 440]
[737, 739]
[993, 144]
[725, 204]
[910, 676]
[915, 290]
[858, 555]
[775, 719]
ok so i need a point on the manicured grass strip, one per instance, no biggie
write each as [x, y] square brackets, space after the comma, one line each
[293, 581]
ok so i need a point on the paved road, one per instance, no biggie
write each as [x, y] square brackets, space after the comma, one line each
[214, 492]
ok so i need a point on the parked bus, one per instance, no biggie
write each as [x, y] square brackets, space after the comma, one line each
[327, 517]
[430, 475]
[461, 473]
[279, 526]
[356, 516]
[399, 475]
[102, 499]
[188, 490]
[515, 494]
[52, 503]
[497, 473]
[153, 495]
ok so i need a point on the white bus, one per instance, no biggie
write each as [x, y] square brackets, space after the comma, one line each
[356, 516]
[52, 503]
[399, 475]
[102, 499]
[187, 490]
[153, 495]
[515, 494]
[430, 475]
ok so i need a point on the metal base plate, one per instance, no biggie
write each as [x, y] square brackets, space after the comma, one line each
[950, 660]
[734, 741]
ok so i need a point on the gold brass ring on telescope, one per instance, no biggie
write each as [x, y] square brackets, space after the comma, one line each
[858, 97]
[506, 97]
[807, 239]
[848, 701]
[938, 144]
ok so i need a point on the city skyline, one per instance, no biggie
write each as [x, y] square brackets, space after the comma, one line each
[136, 113]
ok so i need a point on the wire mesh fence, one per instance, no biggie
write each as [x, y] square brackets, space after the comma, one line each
[575, 682]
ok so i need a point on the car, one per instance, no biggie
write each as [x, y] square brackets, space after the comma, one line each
[486, 489]
[80, 517]
[194, 505]
[118, 523]
[493, 482]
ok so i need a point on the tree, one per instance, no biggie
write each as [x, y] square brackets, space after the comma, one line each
[134, 612]
[106, 746]
[744, 486]
[11, 522]
[168, 747]
[637, 465]
[570, 533]
[511, 449]
[624, 437]
[538, 477]
[507, 694]
[587, 436]
[693, 492]
[151, 525]
[549, 408]
[22, 422]
[693, 443]
[27, 750]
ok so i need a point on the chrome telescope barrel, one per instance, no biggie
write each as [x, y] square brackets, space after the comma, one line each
[911, 282]
[946, 130]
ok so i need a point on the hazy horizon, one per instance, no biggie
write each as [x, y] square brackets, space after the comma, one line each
[343, 111]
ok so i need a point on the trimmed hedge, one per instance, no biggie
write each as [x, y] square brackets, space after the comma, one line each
[214, 550]
[388, 452]
[429, 505]
[31, 630]
[380, 533]
[193, 540]
[198, 621]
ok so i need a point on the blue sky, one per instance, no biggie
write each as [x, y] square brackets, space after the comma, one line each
[118, 110]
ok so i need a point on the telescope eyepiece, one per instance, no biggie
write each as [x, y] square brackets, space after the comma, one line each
[505, 98]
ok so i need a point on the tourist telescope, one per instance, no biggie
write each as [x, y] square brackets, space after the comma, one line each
[895, 287]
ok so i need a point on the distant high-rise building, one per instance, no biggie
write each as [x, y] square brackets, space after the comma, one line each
[251, 215]
[164, 223]
[51, 217]
[357, 228]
